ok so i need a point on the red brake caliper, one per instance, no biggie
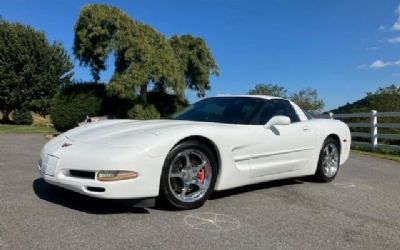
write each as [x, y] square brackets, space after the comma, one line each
[201, 175]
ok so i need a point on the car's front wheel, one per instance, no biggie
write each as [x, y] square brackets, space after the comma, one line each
[188, 176]
[329, 161]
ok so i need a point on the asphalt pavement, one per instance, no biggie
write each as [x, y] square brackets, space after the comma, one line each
[360, 209]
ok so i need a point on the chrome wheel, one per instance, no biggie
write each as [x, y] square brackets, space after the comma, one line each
[190, 175]
[330, 160]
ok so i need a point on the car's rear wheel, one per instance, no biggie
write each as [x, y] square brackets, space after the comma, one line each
[188, 176]
[329, 161]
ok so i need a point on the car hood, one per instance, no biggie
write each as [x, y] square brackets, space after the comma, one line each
[123, 132]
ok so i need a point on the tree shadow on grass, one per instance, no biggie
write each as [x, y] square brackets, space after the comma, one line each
[79, 202]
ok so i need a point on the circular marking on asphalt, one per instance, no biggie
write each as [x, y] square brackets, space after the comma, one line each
[344, 185]
[352, 185]
[212, 222]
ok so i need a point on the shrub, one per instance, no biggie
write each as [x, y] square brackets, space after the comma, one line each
[117, 107]
[74, 102]
[166, 104]
[140, 112]
[22, 117]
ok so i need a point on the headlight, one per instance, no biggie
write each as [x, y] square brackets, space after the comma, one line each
[105, 175]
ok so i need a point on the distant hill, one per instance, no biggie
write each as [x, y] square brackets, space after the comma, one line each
[383, 100]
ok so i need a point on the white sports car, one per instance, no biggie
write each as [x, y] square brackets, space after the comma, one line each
[217, 143]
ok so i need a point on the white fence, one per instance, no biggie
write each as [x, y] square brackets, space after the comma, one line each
[373, 124]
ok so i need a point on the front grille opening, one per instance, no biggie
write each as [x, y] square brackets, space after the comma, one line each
[96, 189]
[82, 174]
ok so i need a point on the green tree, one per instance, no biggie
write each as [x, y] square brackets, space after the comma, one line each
[308, 100]
[269, 89]
[31, 69]
[196, 62]
[391, 89]
[144, 58]
[140, 112]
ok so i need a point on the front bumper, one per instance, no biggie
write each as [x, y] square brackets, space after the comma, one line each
[55, 169]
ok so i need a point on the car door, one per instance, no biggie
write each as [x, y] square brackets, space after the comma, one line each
[281, 148]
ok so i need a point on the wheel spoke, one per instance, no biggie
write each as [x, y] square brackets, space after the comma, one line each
[326, 152]
[199, 167]
[336, 158]
[176, 175]
[184, 190]
[333, 152]
[187, 161]
[197, 183]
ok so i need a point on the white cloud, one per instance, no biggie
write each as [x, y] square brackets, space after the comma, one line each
[379, 64]
[394, 40]
[381, 27]
[397, 10]
[372, 48]
[396, 25]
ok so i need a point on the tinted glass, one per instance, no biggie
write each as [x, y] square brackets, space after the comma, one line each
[278, 107]
[234, 110]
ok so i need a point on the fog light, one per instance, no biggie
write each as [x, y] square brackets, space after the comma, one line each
[105, 175]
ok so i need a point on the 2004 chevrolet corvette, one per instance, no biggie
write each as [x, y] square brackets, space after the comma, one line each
[217, 143]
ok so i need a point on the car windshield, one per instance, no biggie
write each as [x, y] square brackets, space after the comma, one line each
[233, 110]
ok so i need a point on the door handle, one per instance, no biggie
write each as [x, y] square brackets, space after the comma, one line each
[306, 128]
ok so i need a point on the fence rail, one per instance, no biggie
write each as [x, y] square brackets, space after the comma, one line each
[373, 135]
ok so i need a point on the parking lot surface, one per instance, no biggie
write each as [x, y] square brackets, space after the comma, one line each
[359, 210]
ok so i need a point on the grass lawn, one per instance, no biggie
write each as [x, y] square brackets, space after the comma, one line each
[24, 129]
[392, 157]
[41, 125]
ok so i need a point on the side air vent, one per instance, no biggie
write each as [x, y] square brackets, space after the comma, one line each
[82, 174]
[96, 189]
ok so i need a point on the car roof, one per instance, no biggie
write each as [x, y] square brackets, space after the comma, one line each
[267, 97]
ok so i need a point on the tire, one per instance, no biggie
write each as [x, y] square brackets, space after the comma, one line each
[187, 184]
[329, 161]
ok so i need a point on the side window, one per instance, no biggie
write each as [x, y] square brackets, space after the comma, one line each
[278, 107]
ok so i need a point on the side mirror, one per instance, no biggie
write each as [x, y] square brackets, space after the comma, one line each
[277, 120]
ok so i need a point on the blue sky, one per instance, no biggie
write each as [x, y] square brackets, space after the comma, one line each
[342, 48]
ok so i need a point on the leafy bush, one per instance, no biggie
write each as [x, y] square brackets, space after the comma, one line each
[166, 104]
[73, 103]
[140, 112]
[22, 117]
[117, 107]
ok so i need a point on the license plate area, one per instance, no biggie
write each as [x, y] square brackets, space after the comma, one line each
[50, 165]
